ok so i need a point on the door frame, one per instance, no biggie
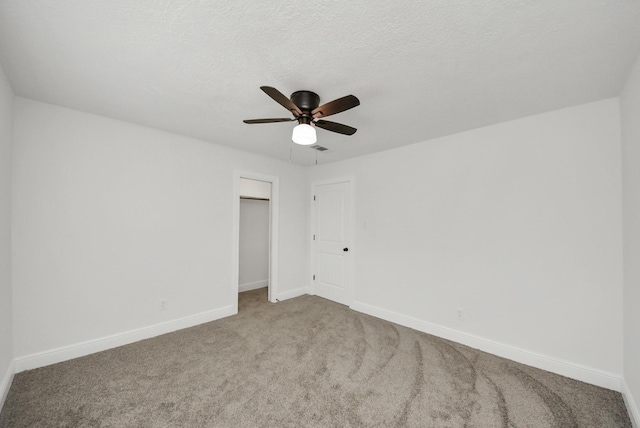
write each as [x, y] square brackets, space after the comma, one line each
[274, 215]
[351, 285]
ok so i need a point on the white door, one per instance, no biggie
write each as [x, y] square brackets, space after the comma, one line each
[332, 233]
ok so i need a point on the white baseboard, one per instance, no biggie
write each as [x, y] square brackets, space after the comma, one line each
[253, 285]
[65, 353]
[293, 293]
[6, 384]
[564, 368]
[632, 407]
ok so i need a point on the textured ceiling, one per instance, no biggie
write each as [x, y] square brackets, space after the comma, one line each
[421, 69]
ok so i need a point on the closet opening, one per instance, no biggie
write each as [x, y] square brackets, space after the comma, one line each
[256, 237]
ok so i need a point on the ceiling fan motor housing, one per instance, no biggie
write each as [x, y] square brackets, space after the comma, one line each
[305, 100]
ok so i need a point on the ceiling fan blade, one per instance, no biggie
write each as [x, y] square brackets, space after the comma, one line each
[336, 106]
[283, 119]
[335, 127]
[281, 99]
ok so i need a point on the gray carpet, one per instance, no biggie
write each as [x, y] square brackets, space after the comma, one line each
[302, 362]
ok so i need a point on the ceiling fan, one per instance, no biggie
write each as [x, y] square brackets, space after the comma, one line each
[306, 109]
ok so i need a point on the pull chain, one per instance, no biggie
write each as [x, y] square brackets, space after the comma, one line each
[291, 152]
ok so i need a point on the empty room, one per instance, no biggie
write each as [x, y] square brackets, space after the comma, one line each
[334, 214]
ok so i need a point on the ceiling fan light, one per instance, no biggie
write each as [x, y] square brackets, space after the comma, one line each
[304, 134]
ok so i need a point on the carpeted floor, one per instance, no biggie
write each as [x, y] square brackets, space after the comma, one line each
[304, 362]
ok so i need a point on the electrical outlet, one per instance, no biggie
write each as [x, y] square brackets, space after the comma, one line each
[164, 305]
[460, 314]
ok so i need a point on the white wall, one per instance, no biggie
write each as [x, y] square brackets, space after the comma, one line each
[6, 299]
[110, 218]
[630, 113]
[253, 244]
[518, 223]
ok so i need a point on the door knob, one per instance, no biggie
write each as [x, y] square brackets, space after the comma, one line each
[345, 249]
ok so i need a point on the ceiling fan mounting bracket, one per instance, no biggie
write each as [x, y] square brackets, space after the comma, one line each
[305, 100]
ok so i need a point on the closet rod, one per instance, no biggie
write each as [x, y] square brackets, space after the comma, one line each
[254, 198]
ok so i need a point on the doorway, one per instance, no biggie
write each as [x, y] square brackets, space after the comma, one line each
[255, 234]
[253, 245]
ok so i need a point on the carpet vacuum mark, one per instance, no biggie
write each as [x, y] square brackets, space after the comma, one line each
[304, 362]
